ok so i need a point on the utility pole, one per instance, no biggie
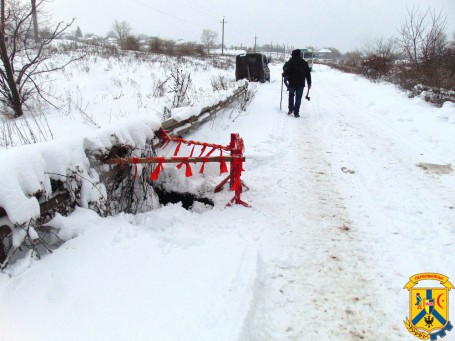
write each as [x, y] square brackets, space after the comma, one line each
[222, 35]
[255, 38]
[35, 22]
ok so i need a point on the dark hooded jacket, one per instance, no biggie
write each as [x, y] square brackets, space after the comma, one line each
[297, 70]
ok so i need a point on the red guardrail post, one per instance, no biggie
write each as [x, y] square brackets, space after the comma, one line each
[236, 167]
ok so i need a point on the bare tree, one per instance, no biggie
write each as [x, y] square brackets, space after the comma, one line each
[422, 35]
[424, 41]
[121, 30]
[435, 40]
[381, 47]
[411, 33]
[22, 60]
[208, 39]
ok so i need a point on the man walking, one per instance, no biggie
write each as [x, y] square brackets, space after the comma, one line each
[297, 70]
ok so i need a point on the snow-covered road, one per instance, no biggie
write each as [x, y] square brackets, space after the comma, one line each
[361, 216]
[355, 211]
[342, 216]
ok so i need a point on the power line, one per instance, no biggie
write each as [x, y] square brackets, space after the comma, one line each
[192, 7]
[165, 13]
[196, 23]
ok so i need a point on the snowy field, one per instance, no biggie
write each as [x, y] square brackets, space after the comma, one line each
[347, 203]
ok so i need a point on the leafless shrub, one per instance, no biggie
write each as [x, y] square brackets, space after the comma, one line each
[222, 63]
[162, 46]
[245, 99]
[127, 186]
[131, 43]
[405, 75]
[181, 83]
[166, 113]
[156, 45]
[376, 67]
[169, 47]
[189, 49]
[159, 88]
[423, 39]
[381, 47]
[448, 64]
[219, 83]
[87, 118]
[345, 68]
[380, 55]
[108, 50]
[28, 129]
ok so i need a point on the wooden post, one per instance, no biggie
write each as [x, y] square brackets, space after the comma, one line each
[4, 231]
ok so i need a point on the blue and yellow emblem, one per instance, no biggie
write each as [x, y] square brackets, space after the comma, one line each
[428, 307]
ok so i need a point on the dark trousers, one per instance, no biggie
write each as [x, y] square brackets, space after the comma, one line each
[296, 92]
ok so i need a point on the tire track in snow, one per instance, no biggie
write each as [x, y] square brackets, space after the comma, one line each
[395, 204]
[312, 284]
[387, 180]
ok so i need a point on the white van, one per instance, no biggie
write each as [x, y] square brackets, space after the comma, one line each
[308, 55]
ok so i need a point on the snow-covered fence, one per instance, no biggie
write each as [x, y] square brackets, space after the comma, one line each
[177, 127]
[42, 180]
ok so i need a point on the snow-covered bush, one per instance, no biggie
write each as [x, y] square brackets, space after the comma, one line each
[32, 177]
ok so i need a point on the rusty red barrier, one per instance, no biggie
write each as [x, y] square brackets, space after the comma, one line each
[236, 159]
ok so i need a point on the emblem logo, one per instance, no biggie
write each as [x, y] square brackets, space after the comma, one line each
[428, 307]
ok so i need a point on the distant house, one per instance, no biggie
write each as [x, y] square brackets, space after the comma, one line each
[90, 39]
[325, 55]
[112, 41]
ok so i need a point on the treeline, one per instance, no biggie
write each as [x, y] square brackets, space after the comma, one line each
[120, 36]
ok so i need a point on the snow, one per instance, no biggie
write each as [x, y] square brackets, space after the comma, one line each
[341, 217]
[28, 169]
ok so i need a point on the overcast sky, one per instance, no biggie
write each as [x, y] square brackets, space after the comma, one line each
[344, 24]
